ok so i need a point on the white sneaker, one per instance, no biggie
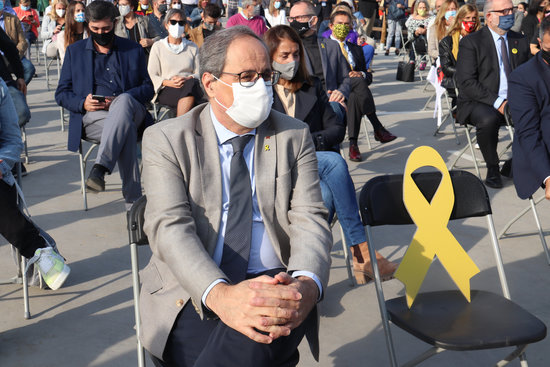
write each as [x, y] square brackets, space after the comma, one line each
[51, 266]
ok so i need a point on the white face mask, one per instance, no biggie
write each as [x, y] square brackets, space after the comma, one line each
[144, 6]
[124, 10]
[251, 106]
[176, 6]
[60, 12]
[176, 30]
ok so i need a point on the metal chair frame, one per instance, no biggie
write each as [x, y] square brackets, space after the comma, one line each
[517, 353]
[137, 238]
[21, 275]
[83, 162]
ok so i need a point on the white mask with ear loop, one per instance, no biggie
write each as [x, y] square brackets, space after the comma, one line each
[251, 106]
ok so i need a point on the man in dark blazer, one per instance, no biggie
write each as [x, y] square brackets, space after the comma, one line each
[361, 101]
[482, 71]
[323, 57]
[529, 101]
[104, 84]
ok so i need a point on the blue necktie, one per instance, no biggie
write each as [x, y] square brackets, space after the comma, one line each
[238, 231]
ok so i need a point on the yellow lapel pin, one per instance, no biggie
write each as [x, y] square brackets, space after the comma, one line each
[266, 148]
[514, 51]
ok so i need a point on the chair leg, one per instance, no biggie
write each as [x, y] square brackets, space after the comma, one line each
[23, 264]
[366, 128]
[82, 173]
[62, 117]
[471, 145]
[136, 286]
[349, 264]
[25, 146]
[519, 352]
[539, 227]
[381, 300]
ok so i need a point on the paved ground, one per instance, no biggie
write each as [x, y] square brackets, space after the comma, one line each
[89, 322]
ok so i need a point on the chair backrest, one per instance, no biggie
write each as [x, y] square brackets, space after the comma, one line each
[136, 220]
[381, 199]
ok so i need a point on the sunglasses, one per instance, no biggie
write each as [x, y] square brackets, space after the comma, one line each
[179, 22]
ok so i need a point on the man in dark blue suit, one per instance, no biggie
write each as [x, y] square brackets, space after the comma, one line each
[104, 84]
[529, 101]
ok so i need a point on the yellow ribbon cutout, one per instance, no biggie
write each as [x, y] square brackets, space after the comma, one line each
[432, 236]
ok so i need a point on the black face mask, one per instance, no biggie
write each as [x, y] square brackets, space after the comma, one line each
[300, 27]
[162, 8]
[541, 8]
[103, 39]
[545, 55]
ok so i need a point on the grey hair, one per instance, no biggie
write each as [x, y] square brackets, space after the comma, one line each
[170, 13]
[487, 7]
[418, 3]
[213, 52]
[245, 3]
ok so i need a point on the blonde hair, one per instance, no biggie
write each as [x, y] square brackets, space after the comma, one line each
[440, 21]
[52, 13]
[460, 15]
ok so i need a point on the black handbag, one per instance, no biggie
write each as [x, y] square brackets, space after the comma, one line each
[405, 71]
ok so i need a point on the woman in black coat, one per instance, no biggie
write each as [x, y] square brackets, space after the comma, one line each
[466, 22]
[299, 95]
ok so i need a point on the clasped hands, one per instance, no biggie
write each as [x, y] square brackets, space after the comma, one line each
[176, 81]
[272, 305]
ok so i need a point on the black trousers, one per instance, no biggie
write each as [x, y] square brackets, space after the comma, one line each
[487, 121]
[360, 102]
[14, 226]
[210, 343]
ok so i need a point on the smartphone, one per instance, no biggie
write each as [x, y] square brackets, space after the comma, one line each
[98, 98]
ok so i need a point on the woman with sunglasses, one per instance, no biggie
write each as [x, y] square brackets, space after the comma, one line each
[134, 26]
[301, 95]
[174, 66]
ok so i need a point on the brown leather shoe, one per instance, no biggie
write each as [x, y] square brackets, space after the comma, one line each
[384, 136]
[354, 153]
[362, 267]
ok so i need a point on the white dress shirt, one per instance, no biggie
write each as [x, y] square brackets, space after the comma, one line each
[503, 80]
[262, 255]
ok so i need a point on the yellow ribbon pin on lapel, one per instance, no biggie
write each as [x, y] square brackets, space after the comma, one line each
[266, 148]
[432, 236]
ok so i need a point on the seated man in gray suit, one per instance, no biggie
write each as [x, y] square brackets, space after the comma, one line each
[235, 220]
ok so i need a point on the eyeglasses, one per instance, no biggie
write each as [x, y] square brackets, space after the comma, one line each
[300, 18]
[503, 11]
[248, 78]
[179, 22]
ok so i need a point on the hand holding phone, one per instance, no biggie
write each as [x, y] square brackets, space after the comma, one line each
[98, 98]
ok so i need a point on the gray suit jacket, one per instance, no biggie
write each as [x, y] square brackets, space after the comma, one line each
[182, 180]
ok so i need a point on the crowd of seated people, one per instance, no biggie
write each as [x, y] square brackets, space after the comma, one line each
[134, 64]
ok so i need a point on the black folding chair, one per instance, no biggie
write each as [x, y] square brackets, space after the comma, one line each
[137, 238]
[445, 319]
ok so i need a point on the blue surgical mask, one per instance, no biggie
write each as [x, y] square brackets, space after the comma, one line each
[25, 8]
[79, 17]
[450, 14]
[277, 4]
[505, 22]
[1, 5]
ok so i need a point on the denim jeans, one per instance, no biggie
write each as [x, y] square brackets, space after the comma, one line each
[339, 195]
[28, 69]
[394, 29]
[339, 111]
[10, 135]
[21, 106]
